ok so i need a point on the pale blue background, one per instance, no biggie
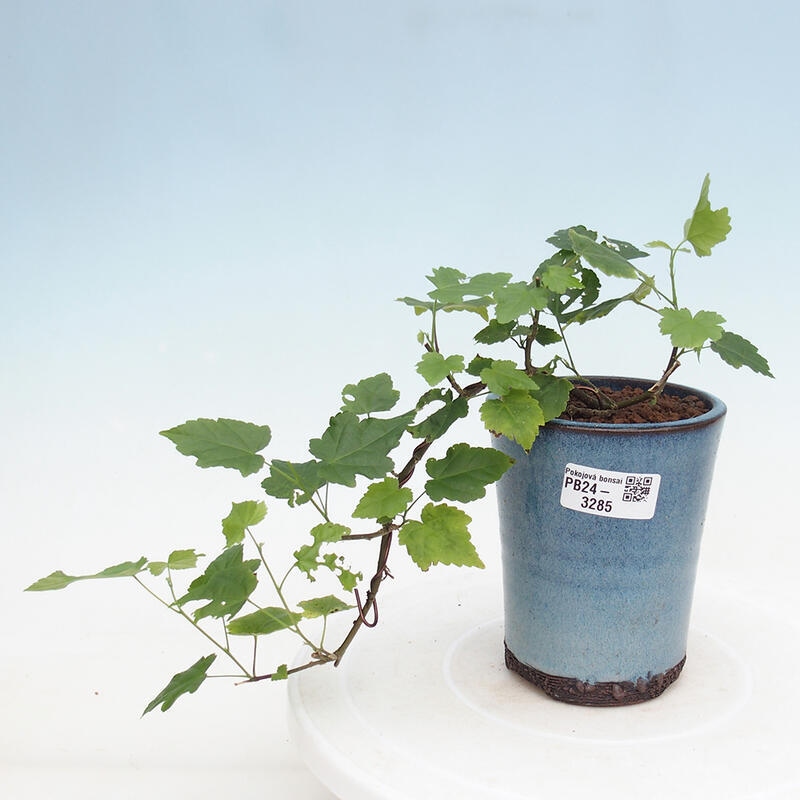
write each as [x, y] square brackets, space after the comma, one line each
[207, 209]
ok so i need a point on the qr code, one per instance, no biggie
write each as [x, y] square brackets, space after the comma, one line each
[637, 488]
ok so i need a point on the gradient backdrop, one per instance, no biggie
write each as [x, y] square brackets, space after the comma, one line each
[207, 209]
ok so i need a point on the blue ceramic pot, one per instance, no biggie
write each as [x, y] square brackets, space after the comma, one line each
[600, 528]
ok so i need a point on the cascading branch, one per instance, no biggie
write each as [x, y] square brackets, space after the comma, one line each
[373, 454]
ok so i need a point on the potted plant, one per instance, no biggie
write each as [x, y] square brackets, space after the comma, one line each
[601, 497]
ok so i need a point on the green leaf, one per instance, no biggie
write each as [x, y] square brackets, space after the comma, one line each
[448, 283]
[352, 446]
[552, 394]
[370, 395]
[442, 537]
[434, 367]
[293, 482]
[178, 559]
[222, 443]
[323, 606]
[419, 306]
[465, 472]
[600, 310]
[517, 416]
[55, 580]
[546, 336]
[308, 557]
[440, 421]
[478, 364]
[626, 249]
[348, 579]
[453, 288]
[183, 559]
[561, 239]
[687, 331]
[558, 278]
[227, 582]
[658, 243]
[281, 673]
[477, 306]
[263, 622]
[503, 376]
[60, 580]
[738, 352]
[706, 227]
[601, 257]
[517, 299]
[383, 500]
[242, 516]
[486, 283]
[186, 682]
[494, 332]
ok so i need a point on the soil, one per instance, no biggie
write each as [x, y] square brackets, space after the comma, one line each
[584, 407]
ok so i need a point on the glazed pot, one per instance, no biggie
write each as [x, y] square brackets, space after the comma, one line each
[600, 527]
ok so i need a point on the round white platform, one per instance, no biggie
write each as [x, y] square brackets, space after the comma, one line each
[423, 707]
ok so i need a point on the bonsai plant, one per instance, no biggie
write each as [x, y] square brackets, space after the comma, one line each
[527, 386]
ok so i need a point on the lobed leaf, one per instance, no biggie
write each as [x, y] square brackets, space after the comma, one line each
[295, 482]
[440, 421]
[517, 299]
[559, 279]
[241, 517]
[434, 367]
[186, 682]
[221, 443]
[370, 395]
[352, 446]
[383, 500]
[465, 472]
[183, 559]
[502, 376]
[706, 227]
[687, 331]
[348, 579]
[552, 395]
[308, 558]
[441, 537]
[486, 283]
[227, 583]
[449, 286]
[178, 559]
[516, 415]
[738, 352]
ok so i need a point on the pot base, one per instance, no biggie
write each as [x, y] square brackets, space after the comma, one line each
[602, 693]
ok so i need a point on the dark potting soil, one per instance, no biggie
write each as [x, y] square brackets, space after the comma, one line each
[583, 407]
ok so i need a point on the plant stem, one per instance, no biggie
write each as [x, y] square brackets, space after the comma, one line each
[279, 592]
[180, 612]
[369, 605]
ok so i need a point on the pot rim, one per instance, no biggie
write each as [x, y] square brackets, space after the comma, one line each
[717, 410]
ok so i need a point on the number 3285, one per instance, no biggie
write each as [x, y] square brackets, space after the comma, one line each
[596, 504]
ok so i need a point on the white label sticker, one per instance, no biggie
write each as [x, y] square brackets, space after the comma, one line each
[624, 495]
